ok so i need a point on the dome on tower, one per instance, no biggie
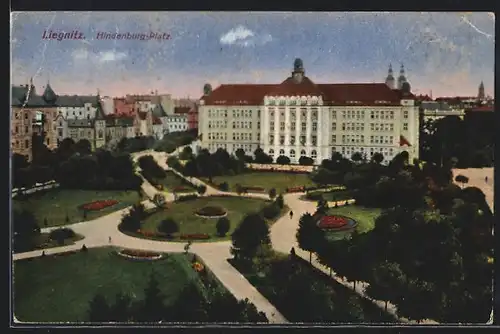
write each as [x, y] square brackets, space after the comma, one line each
[49, 95]
[207, 89]
[406, 87]
[298, 64]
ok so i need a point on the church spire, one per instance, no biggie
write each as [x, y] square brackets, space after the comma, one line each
[402, 78]
[389, 80]
[481, 95]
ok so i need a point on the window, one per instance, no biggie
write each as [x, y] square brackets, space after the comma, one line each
[100, 134]
[258, 125]
[271, 139]
[292, 127]
[60, 133]
[334, 126]
[271, 126]
[314, 140]
[16, 130]
[26, 115]
[405, 126]
[282, 126]
[303, 126]
[282, 152]
[48, 141]
[315, 126]
[292, 153]
[334, 139]
[26, 130]
[303, 140]
[303, 153]
[26, 143]
[314, 154]
[271, 152]
[292, 140]
[405, 114]
[282, 140]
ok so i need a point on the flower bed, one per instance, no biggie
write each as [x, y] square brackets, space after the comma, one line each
[295, 189]
[151, 234]
[98, 205]
[197, 266]
[139, 254]
[199, 236]
[256, 189]
[211, 211]
[181, 188]
[336, 223]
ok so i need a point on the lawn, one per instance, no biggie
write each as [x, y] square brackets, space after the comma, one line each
[52, 289]
[267, 180]
[189, 223]
[365, 217]
[173, 181]
[56, 204]
[337, 195]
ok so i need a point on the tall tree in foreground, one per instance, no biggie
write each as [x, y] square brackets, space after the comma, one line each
[99, 310]
[152, 308]
[250, 234]
[309, 235]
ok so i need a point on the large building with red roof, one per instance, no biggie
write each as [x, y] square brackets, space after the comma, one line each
[298, 117]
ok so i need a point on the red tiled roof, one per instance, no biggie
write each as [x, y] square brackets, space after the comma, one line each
[122, 107]
[181, 110]
[481, 108]
[403, 141]
[332, 94]
[156, 120]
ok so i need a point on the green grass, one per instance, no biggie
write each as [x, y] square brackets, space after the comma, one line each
[172, 180]
[267, 180]
[55, 204]
[52, 289]
[365, 218]
[184, 214]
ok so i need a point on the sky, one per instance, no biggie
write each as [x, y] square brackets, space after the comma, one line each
[448, 54]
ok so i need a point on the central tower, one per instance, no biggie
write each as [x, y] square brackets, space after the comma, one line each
[298, 70]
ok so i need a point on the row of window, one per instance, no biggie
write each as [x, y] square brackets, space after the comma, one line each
[291, 154]
[243, 124]
[242, 136]
[217, 124]
[350, 126]
[302, 140]
[303, 113]
[217, 136]
[384, 127]
[350, 139]
[237, 113]
[381, 139]
[245, 147]
[20, 144]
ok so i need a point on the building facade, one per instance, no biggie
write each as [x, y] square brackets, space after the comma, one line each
[300, 118]
[178, 121]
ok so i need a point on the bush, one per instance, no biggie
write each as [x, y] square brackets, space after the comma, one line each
[168, 226]
[271, 211]
[186, 198]
[224, 186]
[283, 160]
[280, 202]
[222, 226]
[211, 211]
[202, 189]
[306, 161]
[84, 248]
[61, 234]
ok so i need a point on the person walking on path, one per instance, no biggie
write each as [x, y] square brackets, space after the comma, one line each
[109, 239]
[486, 179]
[291, 214]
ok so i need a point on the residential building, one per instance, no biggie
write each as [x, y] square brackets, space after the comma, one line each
[178, 121]
[160, 121]
[301, 118]
[31, 113]
[143, 123]
[434, 110]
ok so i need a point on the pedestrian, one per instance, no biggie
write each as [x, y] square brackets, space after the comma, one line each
[291, 214]
[486, 179]
[109, 239]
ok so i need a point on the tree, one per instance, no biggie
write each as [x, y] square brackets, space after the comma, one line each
[377, 157]
[240, 154]
[322, 206]
[309, 235]
[168, 226]
[121, 310]
[202, 189]
[462, 179]
[152, 308]
[283, 160]
[99, 310]
[272, 193]
[357, 157]
[186, 153]
[386, 282]
[249, 235]
[306, 161]
[261, 157]
[83, 146]
[222, 226]
[280, 201]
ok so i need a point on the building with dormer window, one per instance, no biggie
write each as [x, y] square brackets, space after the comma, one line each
[301, 118]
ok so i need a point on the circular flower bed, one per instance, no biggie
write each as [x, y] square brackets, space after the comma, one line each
[211, 212]
[98, 205]
[139, 255]
[336, 223]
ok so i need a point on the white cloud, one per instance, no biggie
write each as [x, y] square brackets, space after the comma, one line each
[242, 36]
[101, 57]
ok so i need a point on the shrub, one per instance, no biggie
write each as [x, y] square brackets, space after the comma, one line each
[224, 186]
[270, 211]
[211, 211]
[84, 248]
[222, 226]
[168, 226]
[61, 234]
[283, 160]
[187, 197]
[280, 202]
[202, 189]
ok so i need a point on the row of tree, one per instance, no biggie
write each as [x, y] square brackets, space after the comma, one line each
[191, 305]
[428, 253]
